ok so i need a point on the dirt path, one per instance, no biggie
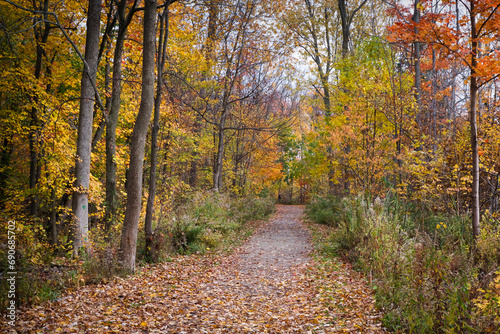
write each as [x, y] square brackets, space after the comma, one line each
[276, 248]
[269, 285]
[253, 287]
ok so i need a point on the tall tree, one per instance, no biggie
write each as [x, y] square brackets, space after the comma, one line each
[313, 27]
[416, 61]
[316, 25]
[346, 17]
[41, 32]
[208, 54]
[230, 73]
[124, 19]
[85, 120]
[128, 244]
[161, 61]
[471, 44]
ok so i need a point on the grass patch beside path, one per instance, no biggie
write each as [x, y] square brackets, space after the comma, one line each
[348, 301]
[428, 275]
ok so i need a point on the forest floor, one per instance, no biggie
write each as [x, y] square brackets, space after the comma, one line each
[274, 283]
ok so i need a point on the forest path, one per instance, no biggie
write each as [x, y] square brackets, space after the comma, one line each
[268, 285]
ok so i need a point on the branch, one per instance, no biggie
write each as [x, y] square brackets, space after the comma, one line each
[356, 10]
[86, 66]
[397, 9]
[487, 19]
[197, 93]
[490, 79]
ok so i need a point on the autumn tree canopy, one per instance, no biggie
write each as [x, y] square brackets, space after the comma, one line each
[283, 99]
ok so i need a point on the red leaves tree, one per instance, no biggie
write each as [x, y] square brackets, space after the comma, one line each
[472, 41]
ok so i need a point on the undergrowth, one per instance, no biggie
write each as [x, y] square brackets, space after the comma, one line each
[206, 222]
[427, 274]
[209, 221]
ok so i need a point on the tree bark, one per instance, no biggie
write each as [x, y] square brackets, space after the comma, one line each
[107, 106]
[345, 21]
[53, 217]
[84, 141]
[416, 57]
[128, 244]
[473, 125]
[111, 203]
[148, 224]
[220, 155]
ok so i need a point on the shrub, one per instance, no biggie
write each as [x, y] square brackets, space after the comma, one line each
[208, 221]
[324, 210]
[425, 277]
[488, 244]
[252, 208]
[487, 307]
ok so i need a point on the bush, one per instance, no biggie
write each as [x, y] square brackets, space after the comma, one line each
[426, 278]
[353, 227]
[488, 244]
[208, 221]
[324, 210]
[487, 307]
[252, 208]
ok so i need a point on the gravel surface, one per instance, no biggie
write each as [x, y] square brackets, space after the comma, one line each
[277, 247]
[266, 264]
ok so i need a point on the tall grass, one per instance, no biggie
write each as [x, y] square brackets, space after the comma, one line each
[208, 221]
[324, 210]
[426, 276]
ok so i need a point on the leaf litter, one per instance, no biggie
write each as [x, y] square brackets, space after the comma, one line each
[271, 284]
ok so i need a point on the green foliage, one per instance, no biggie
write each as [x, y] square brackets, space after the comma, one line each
[423, 272]
[252, 208]
[352, 226]
[324, 210]
[36, 284]
[208, 221]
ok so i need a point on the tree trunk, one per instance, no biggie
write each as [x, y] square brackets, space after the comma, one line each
[111, 203]
[5, 155]
[107, 86]
[220, 155]
[84, 141]
[237, 161]
[418, 75]
[475, 159]
[148, 224]
[128, 244]
[434, 102]
[41, 35]
[433, 115]
[53, 216]
[345, 20]
[213, 13]
[473, 126]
